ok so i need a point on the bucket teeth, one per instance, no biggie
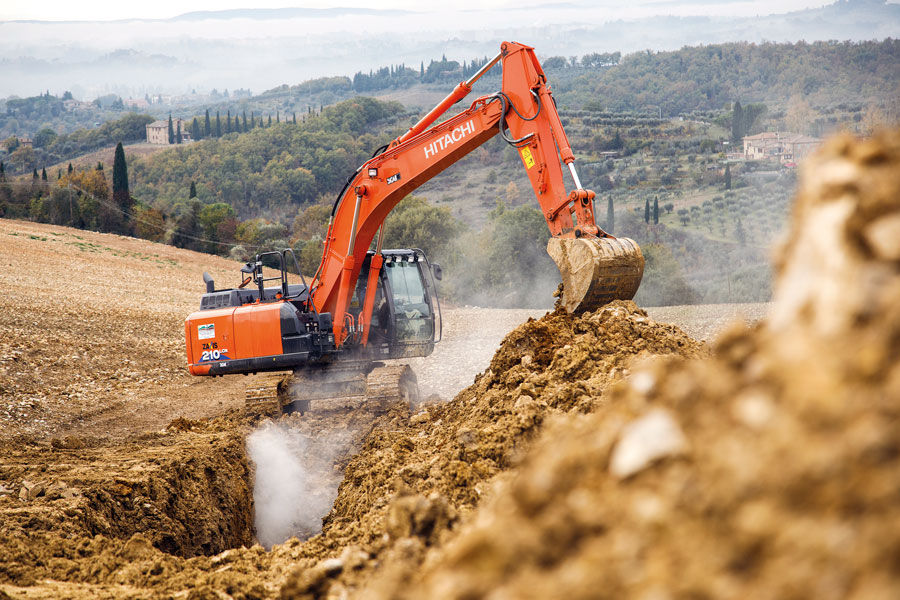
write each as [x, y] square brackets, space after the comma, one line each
[596, 270]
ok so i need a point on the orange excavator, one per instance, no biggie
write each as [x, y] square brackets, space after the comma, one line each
[365, 305]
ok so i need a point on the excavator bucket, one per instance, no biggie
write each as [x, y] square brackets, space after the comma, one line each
[596, 270]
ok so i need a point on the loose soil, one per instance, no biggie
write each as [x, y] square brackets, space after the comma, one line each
[602, 451]
[768, 470]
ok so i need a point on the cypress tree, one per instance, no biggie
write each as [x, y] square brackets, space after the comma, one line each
[295, 117]
[617, 143]
[178, 135]
[277, 116]
[35, 174]
[245, 122]
[44, 174]
[228, 123]
[193, 192]
[195, 130]
[207, 126]
[99, 166]
[120, 180]
[59, 174]
[2, 171]
[218, 125]
[610, 216]
[70, 169]
[171, 131]
[727, 177]
[656, 210]
[737, 122]
[270, 121]
[740, 233]
[647, 211]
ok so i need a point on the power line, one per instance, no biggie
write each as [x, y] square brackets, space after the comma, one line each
[135, 218]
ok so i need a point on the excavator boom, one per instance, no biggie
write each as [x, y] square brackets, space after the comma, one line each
[595, 266]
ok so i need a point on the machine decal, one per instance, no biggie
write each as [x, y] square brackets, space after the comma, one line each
[527, 157]
[449, 138]
[206, 332]
[211, 355]
[393, 178]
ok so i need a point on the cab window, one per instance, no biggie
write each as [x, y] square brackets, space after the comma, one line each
[414, 320]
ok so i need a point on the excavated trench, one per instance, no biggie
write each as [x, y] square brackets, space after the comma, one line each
[133, 511]
[198, 502]
[186, 491]
[82, 509]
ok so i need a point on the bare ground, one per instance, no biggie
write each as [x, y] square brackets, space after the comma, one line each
[91, 333]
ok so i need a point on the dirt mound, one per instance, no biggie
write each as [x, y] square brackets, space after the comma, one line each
[770, 470]
[414, 479]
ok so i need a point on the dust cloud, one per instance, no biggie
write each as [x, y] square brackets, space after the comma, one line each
[291, 489]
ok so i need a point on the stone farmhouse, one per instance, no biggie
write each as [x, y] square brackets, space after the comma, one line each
[785, 147]
[158, 131]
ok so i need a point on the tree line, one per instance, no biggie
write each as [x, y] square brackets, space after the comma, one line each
[49, 148]
[711, 77]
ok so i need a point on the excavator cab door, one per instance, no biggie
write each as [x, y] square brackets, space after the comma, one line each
[406, 314]
[408, 306]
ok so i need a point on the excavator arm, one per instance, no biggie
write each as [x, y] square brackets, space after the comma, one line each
[595, 266]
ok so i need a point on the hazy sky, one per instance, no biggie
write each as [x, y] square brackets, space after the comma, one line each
[53, 10]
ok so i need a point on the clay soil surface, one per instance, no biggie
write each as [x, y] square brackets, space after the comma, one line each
[92, 333]
[609, 450]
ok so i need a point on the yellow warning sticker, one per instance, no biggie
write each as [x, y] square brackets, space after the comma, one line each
[527, 158]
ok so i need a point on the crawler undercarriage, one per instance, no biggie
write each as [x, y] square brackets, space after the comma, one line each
[341, 387]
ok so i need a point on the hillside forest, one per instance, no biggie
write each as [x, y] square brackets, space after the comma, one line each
[650, 130]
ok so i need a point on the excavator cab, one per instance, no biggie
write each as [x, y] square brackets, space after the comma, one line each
[406, 318]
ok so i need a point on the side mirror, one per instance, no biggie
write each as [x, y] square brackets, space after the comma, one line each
[248, 268]
[438, 271]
